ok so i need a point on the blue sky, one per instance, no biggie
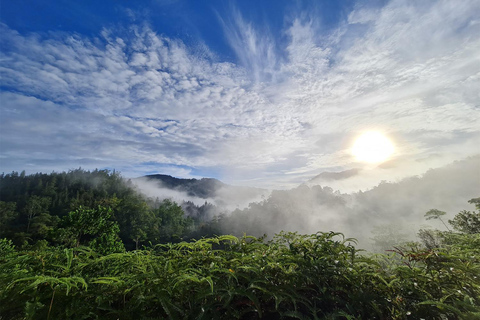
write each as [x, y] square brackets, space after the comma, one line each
[260, 93]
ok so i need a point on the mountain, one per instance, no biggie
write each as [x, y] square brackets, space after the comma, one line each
[221, 194]
[204, 188]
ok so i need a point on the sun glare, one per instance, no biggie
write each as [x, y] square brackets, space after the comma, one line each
[372, 147]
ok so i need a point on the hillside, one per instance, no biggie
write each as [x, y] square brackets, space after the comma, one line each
[214, 191]
[202, 188]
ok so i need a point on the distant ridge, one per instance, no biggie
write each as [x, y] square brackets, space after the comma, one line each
[329, 176]
[205, 188]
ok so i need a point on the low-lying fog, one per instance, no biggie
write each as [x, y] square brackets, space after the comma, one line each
[392, 210]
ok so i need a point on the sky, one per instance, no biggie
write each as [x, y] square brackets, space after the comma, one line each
[258, 93]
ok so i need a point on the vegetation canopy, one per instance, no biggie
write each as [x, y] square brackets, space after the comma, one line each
[73, 249]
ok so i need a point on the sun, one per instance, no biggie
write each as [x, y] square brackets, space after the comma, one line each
[372, 147]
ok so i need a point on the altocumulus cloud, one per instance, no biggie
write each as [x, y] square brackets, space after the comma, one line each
[139, 101]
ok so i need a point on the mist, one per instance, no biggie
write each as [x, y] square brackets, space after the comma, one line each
[390, 210]
[155, 189]
[224, 197]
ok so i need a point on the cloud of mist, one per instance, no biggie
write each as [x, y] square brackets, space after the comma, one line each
[226, 198]
[154, 189]
[395, 206]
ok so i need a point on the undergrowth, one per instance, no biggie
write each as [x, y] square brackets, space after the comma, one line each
[319, 276]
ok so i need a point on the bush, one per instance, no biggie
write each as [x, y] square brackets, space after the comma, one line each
[319, 276]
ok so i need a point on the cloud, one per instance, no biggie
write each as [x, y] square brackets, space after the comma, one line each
[225, 197]
[255, 50]
[284, 112]
[154, 189]
[386, 208]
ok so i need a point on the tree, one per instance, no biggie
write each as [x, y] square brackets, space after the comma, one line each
[476, 202]
[173, 223]
[7, 215]
[467, 221]
[141, 226]
[92, 227]
[435, 214]
[42, 225]
[35, 205]
[431, 239]
[135, 219]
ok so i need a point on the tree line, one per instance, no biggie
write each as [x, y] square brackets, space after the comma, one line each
[77, 207]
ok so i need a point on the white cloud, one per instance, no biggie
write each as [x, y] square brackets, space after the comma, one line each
[133, 97]
[255, 49]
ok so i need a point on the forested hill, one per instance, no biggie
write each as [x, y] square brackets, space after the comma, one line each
[205, 188]
[37, 207]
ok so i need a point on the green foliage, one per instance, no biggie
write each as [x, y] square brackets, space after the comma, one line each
[63, 258]
[467, 221]
[33, 206]
[6, 248]
[319, 276]
[91, 227]
[7, 214]
[438, 283]
[431, 239]
[476, 202]
[172, 223]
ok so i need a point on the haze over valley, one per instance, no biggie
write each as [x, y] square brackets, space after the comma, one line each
[396, 207]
